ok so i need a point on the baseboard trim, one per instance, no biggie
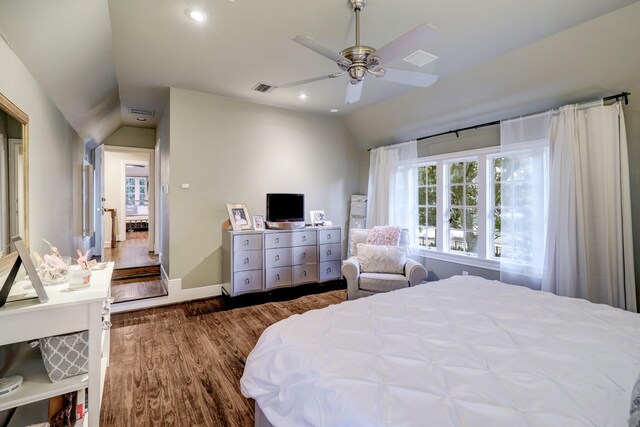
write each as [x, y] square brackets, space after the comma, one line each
[175, 294]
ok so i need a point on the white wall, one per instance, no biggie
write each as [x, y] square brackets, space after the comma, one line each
[114, 188]
[231, 151]
[53, 156]
[164, 197]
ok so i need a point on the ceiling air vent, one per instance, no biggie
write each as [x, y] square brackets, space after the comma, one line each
[141, 112]
[420, 58]
[263, 87]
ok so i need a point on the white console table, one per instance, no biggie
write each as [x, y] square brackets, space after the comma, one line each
[66, 311]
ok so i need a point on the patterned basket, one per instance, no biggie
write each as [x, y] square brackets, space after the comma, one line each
[65, 356]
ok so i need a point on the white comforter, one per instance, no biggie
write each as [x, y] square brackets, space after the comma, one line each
[459, 352]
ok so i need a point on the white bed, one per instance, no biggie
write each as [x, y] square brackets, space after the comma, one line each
[459, 352]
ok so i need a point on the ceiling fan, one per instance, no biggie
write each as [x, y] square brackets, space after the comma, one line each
[359, 60]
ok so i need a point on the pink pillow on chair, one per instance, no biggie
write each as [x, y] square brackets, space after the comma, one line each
[387, 235]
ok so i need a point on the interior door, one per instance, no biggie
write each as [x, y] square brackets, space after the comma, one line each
[98, 249]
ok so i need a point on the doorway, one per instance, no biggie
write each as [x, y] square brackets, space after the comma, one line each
[128, 229]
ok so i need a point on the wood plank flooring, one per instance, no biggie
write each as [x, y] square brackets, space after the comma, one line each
[137, 288]
[181, 365]
[133, 252]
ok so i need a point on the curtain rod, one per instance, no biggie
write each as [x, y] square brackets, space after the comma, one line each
[621, 95]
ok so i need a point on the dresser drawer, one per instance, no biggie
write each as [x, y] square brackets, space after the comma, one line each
[331, 252]
[247, 281]
[277, 277]
[329, 236]
[305, 255]
[247, 242]
[277, 240]
[303, 238]
[330, 270]
[278, 257]
[247, 260]
[305, 273]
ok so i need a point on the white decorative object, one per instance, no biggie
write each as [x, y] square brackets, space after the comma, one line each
[317, 217]
[79, 277]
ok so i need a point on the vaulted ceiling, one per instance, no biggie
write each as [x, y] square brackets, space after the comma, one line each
[99, 59]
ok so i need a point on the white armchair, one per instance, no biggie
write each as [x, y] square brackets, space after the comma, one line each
[360, 284]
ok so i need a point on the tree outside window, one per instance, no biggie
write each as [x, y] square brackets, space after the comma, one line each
[427, 181]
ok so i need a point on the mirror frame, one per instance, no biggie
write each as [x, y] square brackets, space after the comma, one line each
[19, 115]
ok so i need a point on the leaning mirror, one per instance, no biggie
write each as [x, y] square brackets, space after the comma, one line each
[14, 168]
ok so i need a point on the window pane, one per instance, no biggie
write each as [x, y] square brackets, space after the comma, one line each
[456, 172]
[422, 175]
[497, 199]
[506, 198]
[422, 216]
[456, 240]
[432, 175]
[456, 195]
[422, 196]
[471, 241]
[422, 236]
[471, 219]
[507, 169]
[522, 193]
[431, 217]
[472, 195]
[130, 181]
[497, 223]
[497, 168]
[432, 196]
[431, 237]
[472, 171]
[455, 219]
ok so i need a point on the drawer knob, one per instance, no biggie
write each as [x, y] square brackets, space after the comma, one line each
[246, 242]
[328, 236]
[278, 277]
[328, 270]
[247, 281]
[329, 252]
[304, 238]
[304, 254]
[277, 240]
[304, 273]
[246, 260]
[277, 257]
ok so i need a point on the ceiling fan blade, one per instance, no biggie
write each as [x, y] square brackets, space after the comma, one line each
[310, 43]
[353, 92]
[311, 80]
[406, 77]
[406, 44]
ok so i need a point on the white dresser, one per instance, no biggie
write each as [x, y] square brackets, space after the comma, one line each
[257, 261]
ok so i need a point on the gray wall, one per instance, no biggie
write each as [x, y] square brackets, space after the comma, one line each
[231, 151]
[632, 120]
[128, 136]
[54, 155]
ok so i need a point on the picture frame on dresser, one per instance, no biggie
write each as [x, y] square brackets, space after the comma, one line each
[317, 217]
[258, 222]
[22, 257]
[239, 216]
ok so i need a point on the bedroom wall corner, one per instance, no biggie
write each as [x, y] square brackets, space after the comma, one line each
[163, 136]
[632, 122]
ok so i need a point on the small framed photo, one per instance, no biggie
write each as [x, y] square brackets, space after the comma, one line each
[239, 216]
[258, 222]
[317, 217]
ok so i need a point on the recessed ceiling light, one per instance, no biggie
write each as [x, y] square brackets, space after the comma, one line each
[334, 110]
[141, 119]
[198, 15]
[302, 96]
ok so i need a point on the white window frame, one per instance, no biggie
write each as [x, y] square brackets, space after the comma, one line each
[441, 251]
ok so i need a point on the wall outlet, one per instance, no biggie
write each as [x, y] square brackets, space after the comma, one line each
[465, 273]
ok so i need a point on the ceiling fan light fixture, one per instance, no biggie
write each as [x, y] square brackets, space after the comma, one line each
[334, 110]
[198, 15]
[303, 96]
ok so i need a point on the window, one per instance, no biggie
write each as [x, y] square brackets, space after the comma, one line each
[476, 204]
[135, 193]
[427, 179]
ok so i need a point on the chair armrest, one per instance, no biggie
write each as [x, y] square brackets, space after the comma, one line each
[415, 272]
[351, 269]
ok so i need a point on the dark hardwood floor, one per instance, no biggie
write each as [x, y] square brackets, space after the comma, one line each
[181, 365]
[137, 288]
[133, 252]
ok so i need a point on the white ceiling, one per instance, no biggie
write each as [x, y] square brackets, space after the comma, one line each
[97, 59]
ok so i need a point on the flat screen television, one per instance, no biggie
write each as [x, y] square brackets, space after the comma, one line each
[284, 208]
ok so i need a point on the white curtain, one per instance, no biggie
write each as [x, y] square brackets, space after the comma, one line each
[590, 252]
[520, 176]
[391, 196]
